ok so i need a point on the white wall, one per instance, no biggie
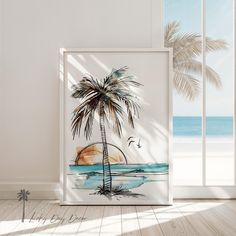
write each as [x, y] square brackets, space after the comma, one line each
[32, 32]
[1, 78]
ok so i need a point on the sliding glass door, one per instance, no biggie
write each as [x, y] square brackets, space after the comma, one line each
[202, 37]
[219, 97]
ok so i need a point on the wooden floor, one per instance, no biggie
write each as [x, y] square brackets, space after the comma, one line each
[183, 218]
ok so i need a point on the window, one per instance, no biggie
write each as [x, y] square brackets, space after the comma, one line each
[201, 35]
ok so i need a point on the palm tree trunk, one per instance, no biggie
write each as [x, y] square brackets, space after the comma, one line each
[107, 179]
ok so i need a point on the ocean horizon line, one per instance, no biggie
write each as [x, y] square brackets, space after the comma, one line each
[191, 126]
[201, 116]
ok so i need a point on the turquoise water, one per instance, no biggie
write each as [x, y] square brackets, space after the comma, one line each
[123, 182]
[122, 168]
[216, 126]
[124, 176]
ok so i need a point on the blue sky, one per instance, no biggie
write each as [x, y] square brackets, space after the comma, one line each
[219, 25]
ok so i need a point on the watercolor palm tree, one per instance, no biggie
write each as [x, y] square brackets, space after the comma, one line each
[186, 50]
[23, 196]
[107, 98]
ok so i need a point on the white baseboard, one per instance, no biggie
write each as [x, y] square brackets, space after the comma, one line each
[204, 192]
[50, 190]
[45, 190]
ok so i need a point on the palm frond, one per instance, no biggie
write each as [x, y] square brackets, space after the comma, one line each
[76, 124]
[89, 124]
[215, 45]
[194, 66]
[119, 79]
[186, 85]
[81, 113]
[20, 198]
[186, 48]
[189, 44]
[128, 81]
[115, 73]
[89, 91]
[113, 107]
[127, 97]
[23, 195]
[105, 97]
[130, 115]
[120, 93]
[213, 77]
[117, 127]
[115, 113]
[87, 87]
[170, 31]
[119, 73]
[132, 108]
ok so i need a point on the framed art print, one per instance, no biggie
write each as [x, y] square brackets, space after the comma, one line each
[116, 125]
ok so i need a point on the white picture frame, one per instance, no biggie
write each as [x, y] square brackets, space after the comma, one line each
[166, 57]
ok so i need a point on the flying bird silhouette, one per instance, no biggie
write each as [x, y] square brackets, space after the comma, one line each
[138, 145]
[130, 142]
[130, 138]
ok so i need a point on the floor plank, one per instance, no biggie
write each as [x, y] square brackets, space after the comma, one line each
[27, 226]
[172, 222]
[111, 222]
[130, 224]
[72, 222]
[49, 223]
[195, 219]
[92, 223]
[187, 217]
[207, 211]
[7, 209]
[13, 220]
[147, 221]
[230, 204]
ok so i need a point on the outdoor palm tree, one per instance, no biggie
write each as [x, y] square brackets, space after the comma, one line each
[186, 50]
[23, 196]
[111, 99]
